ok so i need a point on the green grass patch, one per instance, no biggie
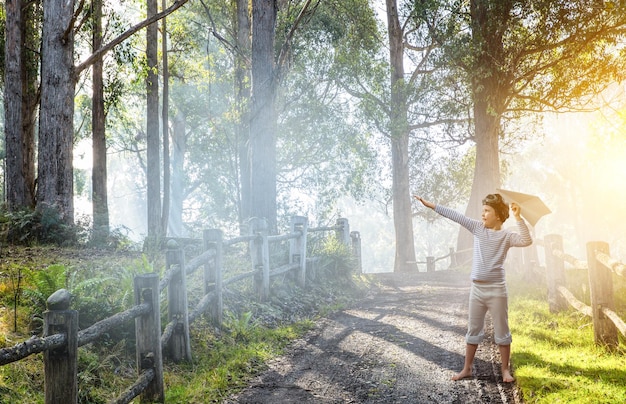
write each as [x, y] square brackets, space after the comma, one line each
[22, 382]
[224, 365]
[554, 356]
[224, 358]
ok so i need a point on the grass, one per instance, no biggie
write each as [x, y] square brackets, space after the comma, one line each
[222, 364]
[221, 367]
[554, 356]
[223, 359]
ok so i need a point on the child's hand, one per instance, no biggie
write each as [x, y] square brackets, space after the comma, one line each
[517, 211]
[424, 202]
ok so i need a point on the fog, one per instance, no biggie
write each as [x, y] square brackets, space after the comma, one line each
[575, 162]
[579, 169]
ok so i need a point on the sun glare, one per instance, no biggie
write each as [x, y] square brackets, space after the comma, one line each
[600, 179]
[579, 169]
[606, 152]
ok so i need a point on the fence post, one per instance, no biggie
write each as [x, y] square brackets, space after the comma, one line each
[356, 250]
[555, 272]
[452, 257]
[213, 238]
[259, 251]
[343, 231]
[312, 263]
[209, 270]
[148, 335]
[529, 257]
[430, 264]
[297, 246]
[514, 260]
[179, 346]
[60, 365]
[601, 288]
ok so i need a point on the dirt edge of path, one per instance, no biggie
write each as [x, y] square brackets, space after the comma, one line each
[399, 344]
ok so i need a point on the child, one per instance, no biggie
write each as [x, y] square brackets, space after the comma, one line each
[488, 291]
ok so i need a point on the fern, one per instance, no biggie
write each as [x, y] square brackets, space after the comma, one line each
[241, 328]
[43, 283]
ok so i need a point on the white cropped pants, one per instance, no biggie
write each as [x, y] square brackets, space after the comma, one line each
[490, 297]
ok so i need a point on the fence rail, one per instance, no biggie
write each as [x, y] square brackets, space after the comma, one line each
[601, 267]
[61, 338]
[457, 259]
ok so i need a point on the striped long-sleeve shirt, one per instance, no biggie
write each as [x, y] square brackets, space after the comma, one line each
[490, 246]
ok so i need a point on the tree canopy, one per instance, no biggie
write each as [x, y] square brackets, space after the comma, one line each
[327, 100]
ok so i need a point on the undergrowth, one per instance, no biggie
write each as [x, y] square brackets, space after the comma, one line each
[554, 357]
[224, 357]
[224, 364]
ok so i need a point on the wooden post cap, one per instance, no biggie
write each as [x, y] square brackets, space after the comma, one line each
[59, 300]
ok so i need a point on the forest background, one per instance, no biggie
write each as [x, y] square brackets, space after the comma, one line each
[324, 109]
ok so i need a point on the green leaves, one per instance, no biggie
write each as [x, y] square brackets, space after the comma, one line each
[242, 327]
[43, 283]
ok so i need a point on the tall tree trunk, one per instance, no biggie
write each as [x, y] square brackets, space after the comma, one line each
[242, 98]
[13, 95]
[488, 88]
[179, 148]
[165, 119]
[99, 164]
[486, 171]
[153, 171]
[20, 100]
[399, 132]
[262, 149]
[32, 97]
[55, 188]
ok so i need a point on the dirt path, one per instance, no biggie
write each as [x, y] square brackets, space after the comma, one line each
[400, 345]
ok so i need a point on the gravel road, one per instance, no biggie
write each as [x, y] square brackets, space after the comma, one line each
[402, 344]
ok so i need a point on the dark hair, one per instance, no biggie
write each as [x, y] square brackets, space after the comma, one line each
[498, 204]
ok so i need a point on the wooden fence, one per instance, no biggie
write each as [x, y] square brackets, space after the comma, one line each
[600, 267]
[457, 259]
[61, 337]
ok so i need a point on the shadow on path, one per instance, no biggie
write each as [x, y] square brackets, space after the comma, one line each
[401, 345]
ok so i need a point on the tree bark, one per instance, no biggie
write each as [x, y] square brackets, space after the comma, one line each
[165, 130]
[179, 148]
[489, 93]
[55, 188]
[55, 169]
[262, 144]
[20, 99]
[99, 198]
[399, 133]
[153, 171]
[242, 97]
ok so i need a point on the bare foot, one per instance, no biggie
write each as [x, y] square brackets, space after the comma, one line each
[462, 374]
[507, 377]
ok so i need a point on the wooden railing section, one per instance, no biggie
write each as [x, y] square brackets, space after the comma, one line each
[600, 267]
[61, 337]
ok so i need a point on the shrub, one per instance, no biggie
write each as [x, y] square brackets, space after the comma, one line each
[45, 226]
[28, 226]
[336, 257]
